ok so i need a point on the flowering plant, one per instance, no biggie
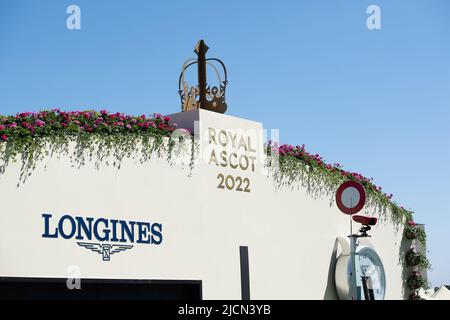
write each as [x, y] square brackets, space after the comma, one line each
[412, 231]
[416, 259]
[32, 135]
[52, 122]
[297, 162]
[416, 281]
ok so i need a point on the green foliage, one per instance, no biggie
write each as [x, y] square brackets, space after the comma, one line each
[417, 259]
[412, 231]
[320, 178]
[416, 281]
[84, 136]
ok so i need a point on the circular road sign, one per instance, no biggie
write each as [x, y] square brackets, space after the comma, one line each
[350, 197]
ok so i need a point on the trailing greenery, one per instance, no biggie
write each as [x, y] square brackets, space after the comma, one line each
[296, 164]
[84, 135]
[416, 281]
[417, 259]
[412, 231]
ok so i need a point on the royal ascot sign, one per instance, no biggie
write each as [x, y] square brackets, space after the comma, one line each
[101, 235]
[234, 149]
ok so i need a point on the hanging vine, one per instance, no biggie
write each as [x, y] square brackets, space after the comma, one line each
[320, 178]
[86, 136]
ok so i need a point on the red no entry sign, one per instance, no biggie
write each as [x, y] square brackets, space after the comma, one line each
[350, 197]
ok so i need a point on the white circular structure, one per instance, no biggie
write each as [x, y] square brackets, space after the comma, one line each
[370, 265]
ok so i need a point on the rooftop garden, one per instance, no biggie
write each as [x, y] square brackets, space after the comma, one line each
[33, 135]
[19, 135]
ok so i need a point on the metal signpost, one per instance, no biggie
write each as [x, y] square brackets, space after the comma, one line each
[350, 199]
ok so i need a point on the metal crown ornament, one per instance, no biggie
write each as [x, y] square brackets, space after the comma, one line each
[203, 96]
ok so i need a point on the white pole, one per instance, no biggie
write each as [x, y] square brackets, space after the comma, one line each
[354, 290]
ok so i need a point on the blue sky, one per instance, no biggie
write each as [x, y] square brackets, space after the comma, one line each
[377, 101]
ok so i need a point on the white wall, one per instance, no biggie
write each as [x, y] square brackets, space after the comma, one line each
[291, 236]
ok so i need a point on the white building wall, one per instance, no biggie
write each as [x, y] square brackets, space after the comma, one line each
[291, 236]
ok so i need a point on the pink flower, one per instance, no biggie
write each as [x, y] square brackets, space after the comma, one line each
[411, 223]
[2, 127]
[4, 137]
[128, 126]
[166, 119]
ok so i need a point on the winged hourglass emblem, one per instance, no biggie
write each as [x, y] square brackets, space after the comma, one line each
[106, 250]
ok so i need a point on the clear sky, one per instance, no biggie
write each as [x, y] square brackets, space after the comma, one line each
[377, 101]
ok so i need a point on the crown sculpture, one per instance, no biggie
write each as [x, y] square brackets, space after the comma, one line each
[203, 96]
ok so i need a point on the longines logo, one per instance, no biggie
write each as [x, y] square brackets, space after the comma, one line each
[111, 236]
[106, 250]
